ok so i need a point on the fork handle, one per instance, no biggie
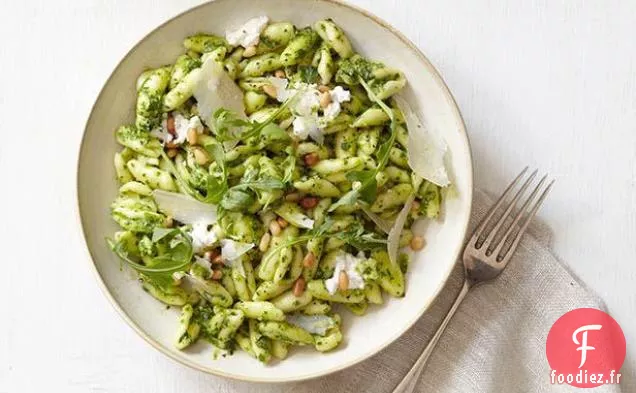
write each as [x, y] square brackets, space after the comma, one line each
[408, 383]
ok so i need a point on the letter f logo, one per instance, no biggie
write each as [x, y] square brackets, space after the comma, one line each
[584, 347]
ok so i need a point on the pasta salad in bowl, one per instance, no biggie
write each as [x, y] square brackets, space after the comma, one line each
[269, 181]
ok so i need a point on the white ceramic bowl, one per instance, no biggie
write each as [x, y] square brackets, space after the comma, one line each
[364, 336]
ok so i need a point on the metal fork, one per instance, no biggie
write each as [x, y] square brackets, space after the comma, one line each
[487, 254]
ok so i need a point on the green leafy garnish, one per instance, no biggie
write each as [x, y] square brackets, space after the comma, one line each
[354, 236]
[177, 254]
[217, 182]
[228, 125]
[289, 166]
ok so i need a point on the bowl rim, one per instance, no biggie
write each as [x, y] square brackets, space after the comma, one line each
[425, 306]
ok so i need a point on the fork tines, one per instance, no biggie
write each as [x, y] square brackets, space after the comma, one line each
[501, 236]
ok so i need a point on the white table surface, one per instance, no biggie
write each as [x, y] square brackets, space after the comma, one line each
[551, 84]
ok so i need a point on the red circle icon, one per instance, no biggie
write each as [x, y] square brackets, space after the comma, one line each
[585, 348]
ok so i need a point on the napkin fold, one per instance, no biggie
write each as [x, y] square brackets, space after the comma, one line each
[494, 343]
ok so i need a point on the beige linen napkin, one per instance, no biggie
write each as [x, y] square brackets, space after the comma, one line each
[495, 342]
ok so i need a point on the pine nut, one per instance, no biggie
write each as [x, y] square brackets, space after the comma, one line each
[279, 74]
[264, 244]
[325, 99]
[415, 207]
[192, 136]
[211, 255]
[217, 274]
[343, 281]
[200, 156]
[285, 124]
[323, 88]
[249, 51]
[270, 90]
[274, 228]
[417, 243]
[293, 197]
[171, 145]
[311, 159]
[170, 125]
[309, 260]
[299, 287]
[218, 260]
[172, 153]
[281, 221]
[168, 222]
[309, 202]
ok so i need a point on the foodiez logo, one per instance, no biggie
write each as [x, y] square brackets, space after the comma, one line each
[585, 348]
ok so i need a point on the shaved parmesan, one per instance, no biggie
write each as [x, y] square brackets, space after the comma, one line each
[314, 324]
[231, 252]
[426, 149]
[396, 231]
[214, 89]
[184, 208]
[383, 224]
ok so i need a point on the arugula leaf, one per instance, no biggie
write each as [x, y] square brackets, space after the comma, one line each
[160, 233]
[228, 126]
[289, 165]
[237, 199]
[356, 237]
[262, 184]
[217, 183]
[349, 198]
[159, 269]
[366, 179]
[225, 123]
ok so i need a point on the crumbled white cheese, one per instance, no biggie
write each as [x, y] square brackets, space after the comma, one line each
[161, 132]
[248, 34]
[338, 96]
[202, 236]
[307, 121]
[181, 127]
[280, 84]
[347, 263]
[305, 126]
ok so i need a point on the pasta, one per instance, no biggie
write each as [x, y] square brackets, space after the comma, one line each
[259, 184]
